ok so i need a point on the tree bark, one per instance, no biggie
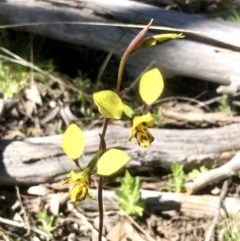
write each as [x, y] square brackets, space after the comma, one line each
[225, 171]
[191, 206]
[39, 160]
[209, 51]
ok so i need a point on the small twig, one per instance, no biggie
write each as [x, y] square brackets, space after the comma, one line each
[222, 195]
[16, 236]
[2, 234]
[149, 238]
[211, 101]
[11, 222]
[138, 78]
[24, 211]
[22, 225]
[40, 232]
[228, 217]
[88, 224]
[225, 210]
[31, 60]
[162, 100]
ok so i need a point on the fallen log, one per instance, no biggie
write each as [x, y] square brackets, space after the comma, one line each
[39, 160]
[192, 206]
[209, 52]
[200, 119]
[195, 206]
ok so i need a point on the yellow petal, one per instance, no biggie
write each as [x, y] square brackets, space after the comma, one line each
[111, 161]
[143, 136]
[161, 38]
[73, 142]
[133, 133]
[109, 104]
[72, 177]
[151, 86]
[155, 40]
[78, 192]
[147, 118]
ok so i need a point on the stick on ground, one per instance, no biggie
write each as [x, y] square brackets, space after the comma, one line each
[225, 171]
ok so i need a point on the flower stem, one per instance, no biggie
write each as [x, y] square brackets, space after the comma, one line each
[120, 73]
[105, 125]
[100, 205]
[100, 186]
[145, 107]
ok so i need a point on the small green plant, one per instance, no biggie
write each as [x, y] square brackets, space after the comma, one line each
[228, 11]
[60, 131]
[230, 228]
[85, 86]
[129, 195]
[234, 16]
[15, 66]
[48, 223]
[195, 172]
[12, 78]
[224, 105]
[177, 180]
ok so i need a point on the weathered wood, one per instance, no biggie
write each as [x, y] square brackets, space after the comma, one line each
[225, 171]
[192, 206]
[39, 160]
[216, 118]
[193, 56]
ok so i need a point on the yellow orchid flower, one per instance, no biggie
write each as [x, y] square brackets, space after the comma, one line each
[111, 161]
[140, 131]
[150, 88]
[82, 184]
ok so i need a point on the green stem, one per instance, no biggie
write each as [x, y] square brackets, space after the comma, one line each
[100, 187]
[120, 73]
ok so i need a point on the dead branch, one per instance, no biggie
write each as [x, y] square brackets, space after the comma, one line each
[210, 232]
[215, 39]
[217, 118]
[215, 175]
[192, 206]
[40, 160]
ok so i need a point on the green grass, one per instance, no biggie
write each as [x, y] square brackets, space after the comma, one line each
[229, 227]
[12, 78]
[20, 50]
[16, 49]
[225, 105]
[229, 11]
